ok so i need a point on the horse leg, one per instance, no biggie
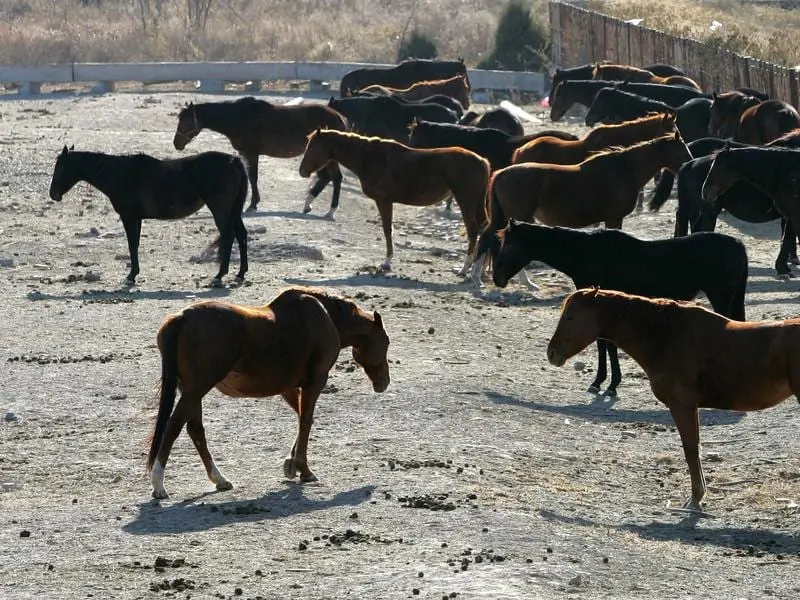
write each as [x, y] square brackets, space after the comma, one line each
[252, 174]
[292, 397]
[616, 372]
[793, 260]
[133, 231]
[227, 227]
[688, 423]
[448, 204]
[196, 431]
[241, 238]
[386, 210]
[179, 416]
[523, 279]
[336, 177]
[787, 245]
[308, 400]
[601, 368]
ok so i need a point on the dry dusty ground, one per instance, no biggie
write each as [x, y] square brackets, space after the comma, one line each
[542, 492]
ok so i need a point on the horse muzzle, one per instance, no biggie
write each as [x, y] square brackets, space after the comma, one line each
[499, 280]
[55, 196]
[555, 357]
[380, 385]
[179, 142]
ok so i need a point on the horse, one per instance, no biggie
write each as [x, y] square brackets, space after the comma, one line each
[750, 120]
[694, 358]
[391, 172]
[441, 99]
[677, 268]
[257, 127]
[742, 200]
[286, 347]
[388, 117]
[587, 72]
[612, 105]
[456, 87]
[496, 118]
[141, 187]
[403, 75]
[552, 150]
[602, 189]
[494, 145]
[637, 75]
[584, 91]
[774, 171]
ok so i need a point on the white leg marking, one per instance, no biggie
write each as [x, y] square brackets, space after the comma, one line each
[308, 202]
[157, 479]
[386, 265]
[331, 214]
[467, 264]
[478, 268]
[218, 478]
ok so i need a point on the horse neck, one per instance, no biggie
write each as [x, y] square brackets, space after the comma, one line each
[644, 161]
[628, 133]
[97, 170]
[349, 151]
[553, 246]
[638, 327]
[586, 91]
[767, 175]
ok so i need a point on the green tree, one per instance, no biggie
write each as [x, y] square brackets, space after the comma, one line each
[520, 42]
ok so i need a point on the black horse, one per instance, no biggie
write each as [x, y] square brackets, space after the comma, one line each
[142, 187]
[677, 268]
[587, 72]
[742, 200]
[616, 106]
[494, 145]
[387, 117]
[441, 99]
[496, 118]
[584, 92]
[404, 75]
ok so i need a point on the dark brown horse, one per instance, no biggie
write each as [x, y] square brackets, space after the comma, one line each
[403, 75]
[287, 347]
[496, 118]
[391, 173]
[694, 358]
[602, 189]
[749, 120]
[555, 151]
[773, 171]
[257, 127]
[456, 87]
[587, 72]
[142, 187]
[635, 74]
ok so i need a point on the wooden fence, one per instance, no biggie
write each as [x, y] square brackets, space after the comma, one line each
[580, 36]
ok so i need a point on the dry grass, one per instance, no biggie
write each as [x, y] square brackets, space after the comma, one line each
[765, 32]
[53, 31]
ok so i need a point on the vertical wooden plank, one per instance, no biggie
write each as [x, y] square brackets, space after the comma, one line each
[794, 92]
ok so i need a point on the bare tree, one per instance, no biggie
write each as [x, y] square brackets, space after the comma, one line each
[197, 11]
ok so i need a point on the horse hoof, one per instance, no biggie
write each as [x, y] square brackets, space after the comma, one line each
[216, 282]
[129, 282]
[251, 208]
[784, 276]
[238, 280]
[330, 216]
[289, 469]
[610, 394]
[384, 267]
[306, 210]
[593, 389]
[224, 486]
[160, 494]
[308, 477]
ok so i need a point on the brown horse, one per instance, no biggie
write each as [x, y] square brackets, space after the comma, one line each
[256, 127]
[393, 173]
[555, 151]
[749, 120]
[403, 75]
[456, 87]
[637, 75]
[287, 347]
[693, 357]
[602, 189]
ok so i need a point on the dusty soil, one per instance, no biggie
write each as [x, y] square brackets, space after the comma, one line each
[482, 472]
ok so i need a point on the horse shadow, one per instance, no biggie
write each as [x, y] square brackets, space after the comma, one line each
[600, 410]
[381, 280]
[189, 516]
[286, 214]
[685, 531]
[124, 294]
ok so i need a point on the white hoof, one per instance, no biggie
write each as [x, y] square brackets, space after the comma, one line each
[308, 202]
[157, 479]
[385, 266]
[289, 470]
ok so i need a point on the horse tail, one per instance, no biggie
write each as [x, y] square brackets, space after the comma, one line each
[737, 301]
[168, 338]
[488, 243]
[662, 191]
[236, 211]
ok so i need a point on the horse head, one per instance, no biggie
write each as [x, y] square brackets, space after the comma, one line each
[577, 327]
[64, 176]
[369, 352]
[188, 126]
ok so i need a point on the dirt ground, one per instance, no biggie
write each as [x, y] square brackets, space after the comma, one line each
[482, 472]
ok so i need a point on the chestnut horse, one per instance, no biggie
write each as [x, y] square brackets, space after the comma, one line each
[694, 358]
[773, 171]
[403, 75]
[456, 87]
[393, 173]
[286, 347]
[556, 151]
[256, 127]
[602, 189]
[637, 75]
[750, 120]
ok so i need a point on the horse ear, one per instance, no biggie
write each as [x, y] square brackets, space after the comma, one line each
[378, 320]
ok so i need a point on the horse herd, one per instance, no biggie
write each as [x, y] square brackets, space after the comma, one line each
[408, 136]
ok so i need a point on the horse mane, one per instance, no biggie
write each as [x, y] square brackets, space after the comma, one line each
[651, 116]
[669, 304]
[351, 135]
[621, 149]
